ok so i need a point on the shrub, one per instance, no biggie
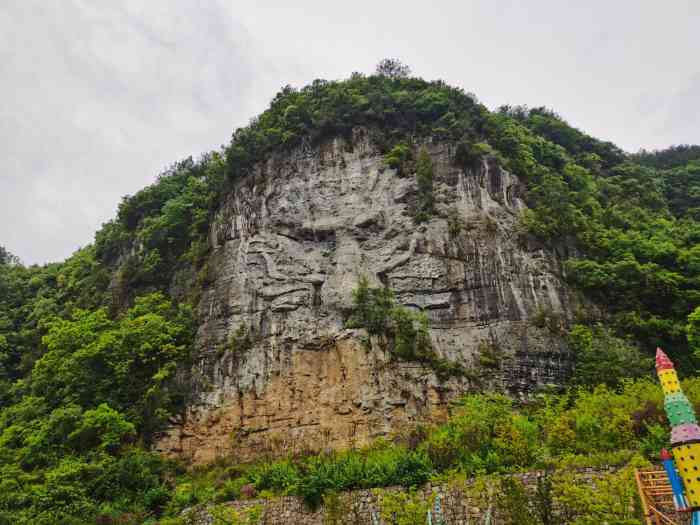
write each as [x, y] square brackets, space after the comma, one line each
[424, 180]
[401, 508]
[468, 154]
[405, 332]
[613, 499]
[398, 156]
[155, 499]
[600, 357]
[515, 503]
[392, 68]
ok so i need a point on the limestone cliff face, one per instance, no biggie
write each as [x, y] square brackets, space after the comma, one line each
[290, 244]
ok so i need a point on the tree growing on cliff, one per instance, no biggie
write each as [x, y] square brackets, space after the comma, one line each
[128, 362]
[602, 358]
[693, 329]
[6, 257]
[393, 68]
[424, 179]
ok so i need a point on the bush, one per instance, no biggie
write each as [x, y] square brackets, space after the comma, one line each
[613, 499]
[401, 508]
[600, 357]
[398, 156]
[468, 154]
[405, 332]
[424, 179]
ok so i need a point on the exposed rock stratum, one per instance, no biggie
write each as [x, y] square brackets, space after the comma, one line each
[290, 244]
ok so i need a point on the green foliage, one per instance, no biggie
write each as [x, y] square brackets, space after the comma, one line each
[89, 355]
[486, 435]
[469, 153]
[224, 515]
[489, 355]
[377, 467]
[515, 503]
[336, 509]
[314, 478]
[424, 179]
[613, 499]
[455, 223]
[398, 157]
[7, 258]
[102, 428]
[570, 498]
[282, 477]
[555, 130]
[393, 68]
[66, 444]
[165, 224]
[693, 329]
[390, 104]
[405, 332]
[372, 308]
[240, 341]
[403, 508]
[543, 498]
[672, 157]
[30, 298]
[602, 358]
[127, 362]
[632, 221]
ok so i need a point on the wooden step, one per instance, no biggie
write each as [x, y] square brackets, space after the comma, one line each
[656, 496]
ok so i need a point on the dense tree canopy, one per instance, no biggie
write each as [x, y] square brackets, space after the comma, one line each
[68, 449]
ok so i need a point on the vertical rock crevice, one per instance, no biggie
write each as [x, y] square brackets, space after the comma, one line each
[290, 244]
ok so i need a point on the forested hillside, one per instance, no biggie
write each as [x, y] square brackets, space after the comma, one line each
[91, 347]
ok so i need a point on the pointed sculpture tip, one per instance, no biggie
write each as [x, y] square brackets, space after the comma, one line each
[662, 360]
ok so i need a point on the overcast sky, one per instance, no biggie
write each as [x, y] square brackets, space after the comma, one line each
[97, 97]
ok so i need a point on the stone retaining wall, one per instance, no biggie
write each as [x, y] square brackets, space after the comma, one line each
[461, 504]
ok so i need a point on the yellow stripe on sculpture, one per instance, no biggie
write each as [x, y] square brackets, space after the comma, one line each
[669, 381]
[688, 465]
[685, 432]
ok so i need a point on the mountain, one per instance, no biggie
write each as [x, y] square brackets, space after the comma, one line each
[291, 243]
[361, 256]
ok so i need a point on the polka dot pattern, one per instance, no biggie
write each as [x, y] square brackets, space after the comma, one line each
[680, 413]
[669, 382]
[662, 360]
[683, 433]
[687, 459]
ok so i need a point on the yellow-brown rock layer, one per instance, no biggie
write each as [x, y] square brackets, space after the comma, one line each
[289, 244]
[327, 399]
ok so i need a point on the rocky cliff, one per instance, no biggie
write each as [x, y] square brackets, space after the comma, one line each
[277, 371]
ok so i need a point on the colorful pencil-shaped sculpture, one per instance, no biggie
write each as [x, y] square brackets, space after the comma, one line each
[685, 437]
[676, 484]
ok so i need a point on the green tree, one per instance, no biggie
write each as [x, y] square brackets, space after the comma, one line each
[392, 68]
[424, 179]
[693, 329]
[602, 358]
[128, 362]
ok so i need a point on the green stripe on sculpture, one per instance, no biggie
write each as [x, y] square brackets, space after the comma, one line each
[679, 410]
[678, 396]
[680, 415]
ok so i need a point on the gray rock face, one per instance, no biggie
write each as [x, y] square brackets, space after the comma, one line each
[290, 244]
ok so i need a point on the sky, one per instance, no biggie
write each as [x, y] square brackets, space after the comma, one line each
[99, 96]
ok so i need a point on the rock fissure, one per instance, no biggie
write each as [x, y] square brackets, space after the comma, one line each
[287, 252]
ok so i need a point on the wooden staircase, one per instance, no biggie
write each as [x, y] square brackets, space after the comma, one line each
[656, 496]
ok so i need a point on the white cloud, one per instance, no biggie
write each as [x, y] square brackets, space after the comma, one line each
[97, 97]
